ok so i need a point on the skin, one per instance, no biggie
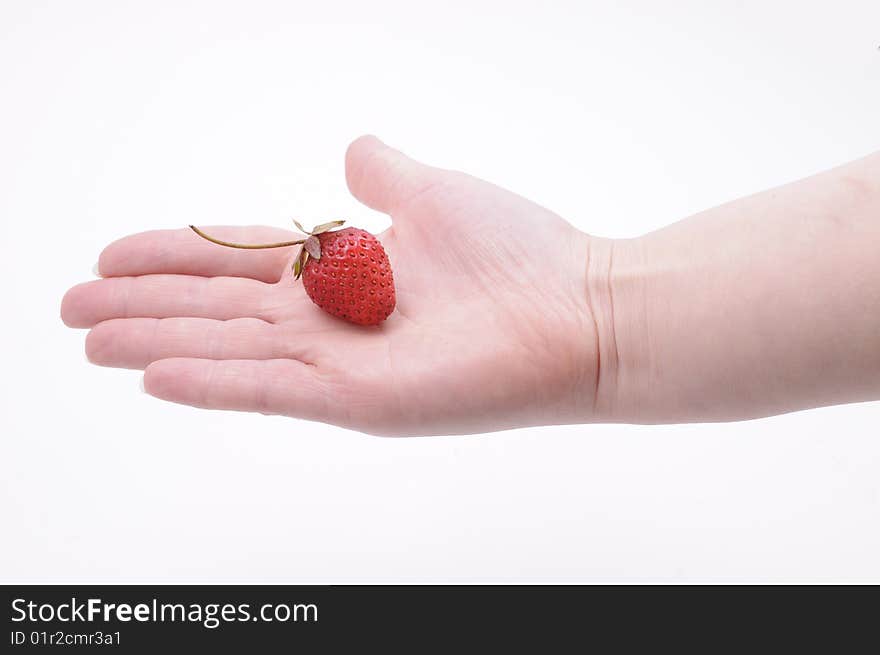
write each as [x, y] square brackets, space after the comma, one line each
[763, 306]
[766, 305]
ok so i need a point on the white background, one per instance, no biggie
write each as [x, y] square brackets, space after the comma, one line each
[117, 117]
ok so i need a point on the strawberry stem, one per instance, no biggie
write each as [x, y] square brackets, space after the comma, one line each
[246, 246]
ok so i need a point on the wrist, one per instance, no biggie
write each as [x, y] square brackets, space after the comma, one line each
[614, 302]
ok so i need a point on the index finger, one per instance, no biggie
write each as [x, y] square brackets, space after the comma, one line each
[183, 252]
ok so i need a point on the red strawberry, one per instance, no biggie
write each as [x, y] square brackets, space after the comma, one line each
[350, 277]
[345, 272]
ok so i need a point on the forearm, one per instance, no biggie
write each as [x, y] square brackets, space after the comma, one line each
[765, 305]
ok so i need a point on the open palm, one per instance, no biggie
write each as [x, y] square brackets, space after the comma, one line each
[492, 328]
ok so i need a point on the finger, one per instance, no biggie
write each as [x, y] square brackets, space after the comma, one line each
[271, 386]
[136, 342]
[161, 296]
[384, 178]
[183, 252]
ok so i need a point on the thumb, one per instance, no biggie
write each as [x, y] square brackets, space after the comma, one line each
[384, 178]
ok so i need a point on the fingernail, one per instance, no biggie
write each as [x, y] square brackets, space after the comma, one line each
[96, 271]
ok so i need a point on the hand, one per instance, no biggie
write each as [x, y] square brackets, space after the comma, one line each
[492, 330]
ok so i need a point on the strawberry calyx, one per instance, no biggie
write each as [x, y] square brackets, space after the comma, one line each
[311, 246]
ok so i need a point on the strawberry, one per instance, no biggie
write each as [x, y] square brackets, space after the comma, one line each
[345, 272]
[348, 275]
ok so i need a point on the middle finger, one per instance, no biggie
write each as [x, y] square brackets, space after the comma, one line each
[163, 296]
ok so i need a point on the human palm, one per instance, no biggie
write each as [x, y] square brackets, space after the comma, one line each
[492, 328]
